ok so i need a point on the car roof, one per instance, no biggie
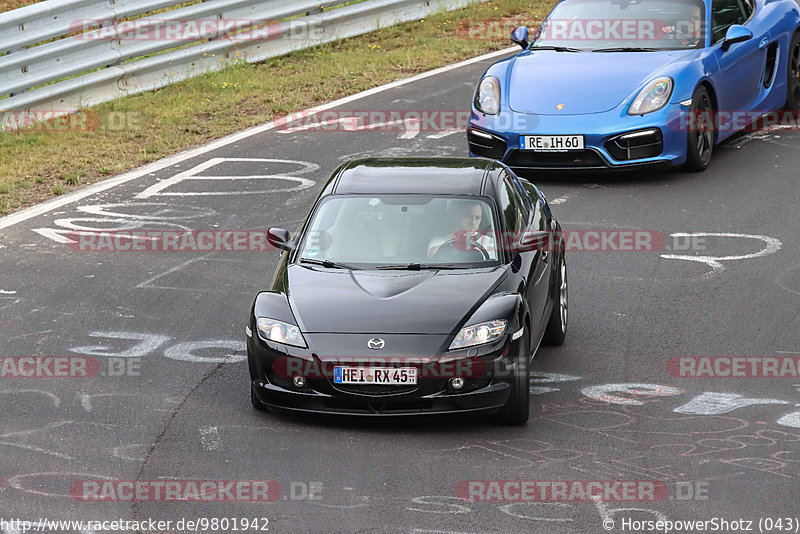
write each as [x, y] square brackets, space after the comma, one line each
[445, 176]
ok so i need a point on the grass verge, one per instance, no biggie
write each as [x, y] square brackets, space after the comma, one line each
[8, 5]
[38, 164]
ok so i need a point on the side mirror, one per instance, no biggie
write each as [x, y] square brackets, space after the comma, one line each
[736, 34]
[533, 241]
[520, 36]
[280, 238]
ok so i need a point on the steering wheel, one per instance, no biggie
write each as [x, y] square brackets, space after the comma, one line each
[449, 252]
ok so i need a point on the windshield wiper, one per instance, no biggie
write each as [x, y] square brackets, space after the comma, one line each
[627, 49]
[556, 48]
[328, 263]
[419, 266]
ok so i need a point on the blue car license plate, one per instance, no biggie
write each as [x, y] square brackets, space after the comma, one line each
[551, 143]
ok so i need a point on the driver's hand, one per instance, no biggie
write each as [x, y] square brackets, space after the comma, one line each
[461, 241]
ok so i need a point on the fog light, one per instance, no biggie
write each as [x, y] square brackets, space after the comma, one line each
[456, 383]
[299, 382]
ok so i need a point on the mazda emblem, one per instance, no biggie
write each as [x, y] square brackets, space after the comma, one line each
[376, 343]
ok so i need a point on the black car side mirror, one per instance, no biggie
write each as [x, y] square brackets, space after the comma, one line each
[280, 238]
[736, 34]
[533, 241]
[520, 36]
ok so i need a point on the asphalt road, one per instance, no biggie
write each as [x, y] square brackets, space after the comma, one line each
[604, 405]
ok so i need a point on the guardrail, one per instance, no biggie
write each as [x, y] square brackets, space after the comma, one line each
[109, 49]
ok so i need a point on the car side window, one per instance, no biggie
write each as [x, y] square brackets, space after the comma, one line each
[724, 14]
[515, 218]
[749, 6]
[538, 220]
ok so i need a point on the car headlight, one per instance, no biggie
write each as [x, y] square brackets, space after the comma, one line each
[653, 97]
[478, 334]
[280, 332]
[487, 98]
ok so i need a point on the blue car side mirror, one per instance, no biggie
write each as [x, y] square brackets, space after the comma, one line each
[736, 34]
[520, 36]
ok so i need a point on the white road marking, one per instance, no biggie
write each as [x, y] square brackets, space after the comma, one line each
[147, 344]
[6, 292]
[445, 133]
[541, 390]
[55, 398]
[791, 419]
[89, 190]
[37, 449]
[185, 351]
[605, 392]
[17, 481]
[552, 378]
[306, 167]
[772, 246]
[710, 403]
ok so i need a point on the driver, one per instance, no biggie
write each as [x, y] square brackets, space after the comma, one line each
[687, 32]
[469, 216]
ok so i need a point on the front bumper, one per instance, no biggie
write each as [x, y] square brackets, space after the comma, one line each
[486, 387]
[498, 137]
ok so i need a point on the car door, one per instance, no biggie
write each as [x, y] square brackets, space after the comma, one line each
[539, 221]
[518, 219]
[741, 66]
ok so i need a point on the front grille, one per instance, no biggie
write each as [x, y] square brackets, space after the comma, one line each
[374, 389]
[532, 159]
[486, 147]
[636, 145]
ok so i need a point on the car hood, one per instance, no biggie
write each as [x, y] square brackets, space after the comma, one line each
[581, 82]
[387, 302]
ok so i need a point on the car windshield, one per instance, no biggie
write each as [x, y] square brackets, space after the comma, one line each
[401, 232]
[624, 25]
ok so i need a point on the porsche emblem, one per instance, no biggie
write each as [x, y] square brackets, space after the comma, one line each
[559, 107]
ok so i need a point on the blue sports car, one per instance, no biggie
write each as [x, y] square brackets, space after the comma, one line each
[619, 84]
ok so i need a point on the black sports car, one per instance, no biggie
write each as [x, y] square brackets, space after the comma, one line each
[415, 286]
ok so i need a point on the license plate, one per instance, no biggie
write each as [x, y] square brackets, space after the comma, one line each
[398, 376]
[551, 143]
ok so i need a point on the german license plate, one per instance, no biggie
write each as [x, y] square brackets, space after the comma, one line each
[551, 143]
[398, 376]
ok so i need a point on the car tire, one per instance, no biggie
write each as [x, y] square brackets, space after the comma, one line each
[556, 329]
[518, 407]
[793, 75]
[257, 404]
[700, 141]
